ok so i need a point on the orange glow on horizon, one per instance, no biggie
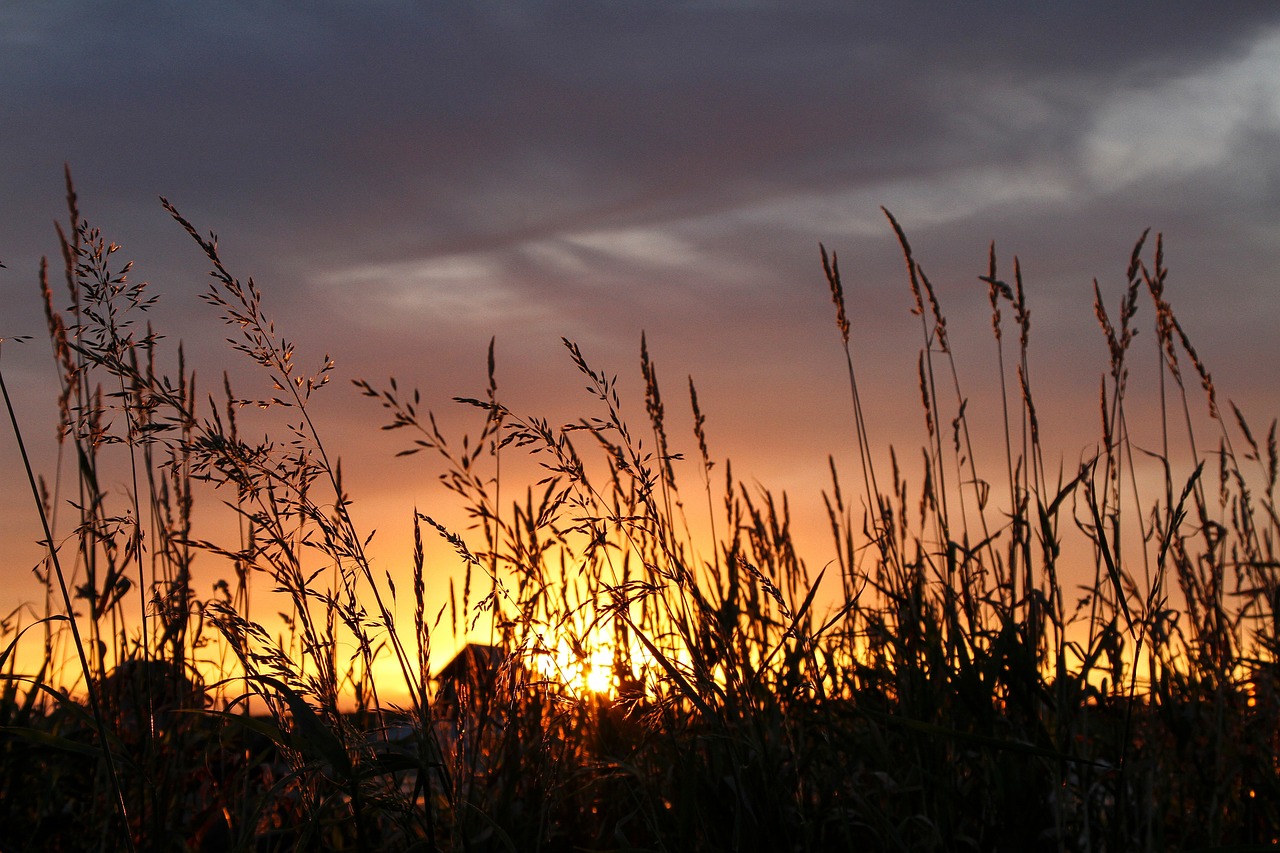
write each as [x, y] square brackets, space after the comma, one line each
[590, 665]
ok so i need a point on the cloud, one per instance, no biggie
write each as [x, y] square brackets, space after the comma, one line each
[650, 247]
[1189, 123]
[468, 289]
[924, 202]
[407, 179]
[535, 280]
[449, 128]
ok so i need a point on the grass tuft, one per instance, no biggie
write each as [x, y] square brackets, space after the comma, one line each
[939, 684]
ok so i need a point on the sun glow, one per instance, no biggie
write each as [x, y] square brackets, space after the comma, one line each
[585, 667]
[592, 665]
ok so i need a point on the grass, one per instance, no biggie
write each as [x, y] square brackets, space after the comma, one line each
[937, 686]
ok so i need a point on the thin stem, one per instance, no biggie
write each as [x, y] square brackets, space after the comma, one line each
[90, 689]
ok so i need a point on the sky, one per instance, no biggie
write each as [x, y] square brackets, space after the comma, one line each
[407, 180]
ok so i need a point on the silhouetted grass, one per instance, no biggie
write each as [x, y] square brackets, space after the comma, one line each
[936, 686]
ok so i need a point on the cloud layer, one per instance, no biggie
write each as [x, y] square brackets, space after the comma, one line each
[407, 180]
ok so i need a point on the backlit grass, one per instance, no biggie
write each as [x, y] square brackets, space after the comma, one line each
[940, 682]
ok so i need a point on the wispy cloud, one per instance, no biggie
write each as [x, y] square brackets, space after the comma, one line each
[1191, 122]
[470, 289]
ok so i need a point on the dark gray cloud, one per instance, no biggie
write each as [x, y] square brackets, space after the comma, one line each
[408, 179]
[445, 125]
[388, 133]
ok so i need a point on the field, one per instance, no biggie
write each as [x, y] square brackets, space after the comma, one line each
[653, 681]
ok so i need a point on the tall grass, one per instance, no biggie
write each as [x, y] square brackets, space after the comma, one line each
[938, 685]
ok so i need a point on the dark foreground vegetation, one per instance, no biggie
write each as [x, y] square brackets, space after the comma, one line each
[937, 686]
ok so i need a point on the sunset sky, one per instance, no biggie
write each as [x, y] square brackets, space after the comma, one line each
[407, 180]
